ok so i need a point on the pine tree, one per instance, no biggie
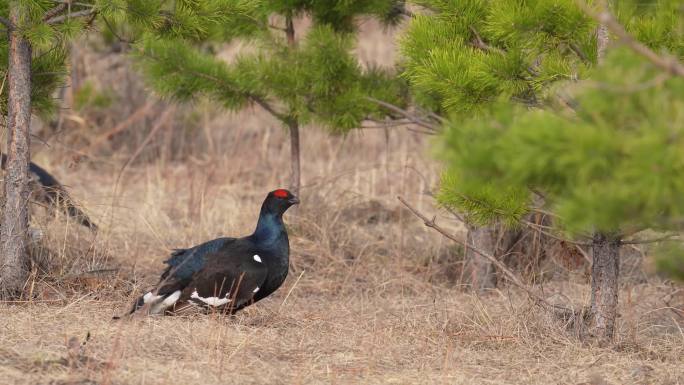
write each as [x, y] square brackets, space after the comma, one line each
[463, 57]
[33, 65]
[299, 77]
[601, 155]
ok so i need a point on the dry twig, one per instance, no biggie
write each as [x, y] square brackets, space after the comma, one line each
[512, 277]
[413, 118]
[55, 11]
[61, 18]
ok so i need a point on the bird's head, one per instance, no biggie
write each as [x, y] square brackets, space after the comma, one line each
[278, 201]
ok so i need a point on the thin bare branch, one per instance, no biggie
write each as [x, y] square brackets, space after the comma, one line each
[73, 3]
[406, 114]
[421, 131]
[578, 51]
[512, 277]
[479, 43]
[55, 11]
[383, 125]
[113, 31]
[541, 229]
[386, 123]
[264, 104]
[161, 122]
[544, 212]
[431, 115]
[61, 18]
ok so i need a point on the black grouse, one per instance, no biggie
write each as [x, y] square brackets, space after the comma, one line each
[47, 190]
[227, 274]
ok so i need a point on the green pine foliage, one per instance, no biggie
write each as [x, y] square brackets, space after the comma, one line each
[612, 167]
[502, 71]
[341, 15]
[533, 121]
[49, 42]
[462, 56]
[318, 80]
[51, 25]
[656, 23]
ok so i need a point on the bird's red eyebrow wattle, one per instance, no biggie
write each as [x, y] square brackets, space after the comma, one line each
[280, 193]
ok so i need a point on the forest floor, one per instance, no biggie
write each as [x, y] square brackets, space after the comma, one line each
[372, 296]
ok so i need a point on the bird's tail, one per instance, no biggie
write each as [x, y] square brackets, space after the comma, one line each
[59, 197]
[155, 303]
[53, 194]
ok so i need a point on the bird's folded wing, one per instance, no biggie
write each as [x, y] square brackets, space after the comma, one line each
[186, 262]
[230, 282]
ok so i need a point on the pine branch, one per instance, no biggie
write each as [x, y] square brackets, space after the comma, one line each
[61, 18]
[258, 100]
[386, 123]
[415, 119]
[578, 51]
[666, 62]
[254, 98]
[8, 24]
[55, 11]
[540, 229]
[486, 205]
[116, 35]
[431, 115]
[479, 43]
[512, 277]
[73, 3]
[395, 123]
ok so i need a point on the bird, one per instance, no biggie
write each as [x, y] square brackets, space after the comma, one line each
[46, 189]
[226, 274]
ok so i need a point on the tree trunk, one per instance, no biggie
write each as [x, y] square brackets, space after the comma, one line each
[13, 227]
[605, 270]
[480, 270]
[293, 124]
[295, 180]
[290, 31]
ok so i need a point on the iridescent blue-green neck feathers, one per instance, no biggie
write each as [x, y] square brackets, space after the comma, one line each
[270, 230]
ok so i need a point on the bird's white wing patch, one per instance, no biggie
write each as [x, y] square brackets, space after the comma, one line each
[257, 258]
[169, 301]
[255, 290]
[211, 301]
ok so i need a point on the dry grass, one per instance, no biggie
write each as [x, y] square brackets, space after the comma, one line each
[371, 304]
[372, 297]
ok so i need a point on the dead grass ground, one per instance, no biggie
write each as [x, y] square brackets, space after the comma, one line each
[367, 300]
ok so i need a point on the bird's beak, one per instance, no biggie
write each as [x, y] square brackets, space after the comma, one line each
[293, 200]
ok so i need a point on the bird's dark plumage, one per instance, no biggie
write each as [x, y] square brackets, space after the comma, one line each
[48, 190]
[227, 273]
